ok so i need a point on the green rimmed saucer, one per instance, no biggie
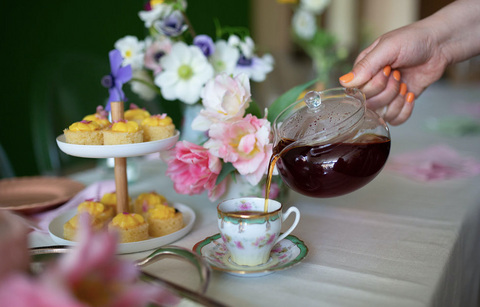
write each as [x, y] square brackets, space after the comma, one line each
[285, 254]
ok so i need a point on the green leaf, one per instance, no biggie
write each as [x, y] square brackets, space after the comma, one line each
[254, 109]
[287, 99]
[226, 169]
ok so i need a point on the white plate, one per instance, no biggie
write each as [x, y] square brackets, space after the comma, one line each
[55, 228]
[116, 151]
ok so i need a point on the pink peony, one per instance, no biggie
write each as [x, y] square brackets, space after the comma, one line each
[224, 98]
[193, 169]
[245, 143]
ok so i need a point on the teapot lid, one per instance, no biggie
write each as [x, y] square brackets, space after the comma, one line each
[321, 115]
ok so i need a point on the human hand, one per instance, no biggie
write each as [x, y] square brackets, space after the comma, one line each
[395, 69]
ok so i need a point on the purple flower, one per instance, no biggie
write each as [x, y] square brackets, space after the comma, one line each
[119, 75]
[172, 25]
[205, 43]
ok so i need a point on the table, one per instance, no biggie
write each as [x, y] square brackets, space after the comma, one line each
[395, 242]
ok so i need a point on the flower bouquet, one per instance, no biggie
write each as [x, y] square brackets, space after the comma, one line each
[239, 140]
[175, 62]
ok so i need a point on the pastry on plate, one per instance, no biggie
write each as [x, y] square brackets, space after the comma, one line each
[122, 132]
[100, 117]
[110, 200]
[147, 201]
[136, 114]
[130, 227]
[70, 228]
[157, 127]
[98, 210]
[84, 132]
[164, 220]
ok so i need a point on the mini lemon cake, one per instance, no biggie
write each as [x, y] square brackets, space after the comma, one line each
[71, 226]
[101, 117]
[122, 132]
[136, 114]
[146, 201]
[84, 132]
[110, 200]
[164, 220]
[157, 127]
[98, 210]
[131, 227]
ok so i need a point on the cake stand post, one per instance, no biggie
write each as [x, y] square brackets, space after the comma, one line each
[120, 165]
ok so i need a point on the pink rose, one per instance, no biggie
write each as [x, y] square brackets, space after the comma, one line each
[245, 143]
[193, 169]
[224, 98]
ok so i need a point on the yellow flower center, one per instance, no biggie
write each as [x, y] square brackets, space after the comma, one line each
[128, 53]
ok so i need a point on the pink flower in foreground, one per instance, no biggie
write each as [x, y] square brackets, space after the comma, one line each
[224, 98]
[193, 169]
[90, 275]
[245, 143]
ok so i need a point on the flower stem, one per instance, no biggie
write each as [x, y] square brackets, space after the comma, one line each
[151, 86]
[190, 27]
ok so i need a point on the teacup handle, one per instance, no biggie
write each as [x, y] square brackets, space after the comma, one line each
[295, 223]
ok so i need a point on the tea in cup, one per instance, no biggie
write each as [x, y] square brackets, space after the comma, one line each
[248, 231]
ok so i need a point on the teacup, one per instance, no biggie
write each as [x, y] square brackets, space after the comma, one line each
[248, 232]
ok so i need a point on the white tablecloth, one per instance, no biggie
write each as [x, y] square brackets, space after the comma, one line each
[395, 242]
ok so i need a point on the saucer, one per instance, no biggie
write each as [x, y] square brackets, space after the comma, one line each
[285, 254]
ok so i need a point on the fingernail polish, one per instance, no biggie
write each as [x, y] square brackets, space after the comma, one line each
[387, 70]
[410, 97]
[347, 78]
[396, 75]
[403, 89]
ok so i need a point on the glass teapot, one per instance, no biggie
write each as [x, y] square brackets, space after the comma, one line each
[329, 144]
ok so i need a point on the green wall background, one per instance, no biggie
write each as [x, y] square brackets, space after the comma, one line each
[33, 32]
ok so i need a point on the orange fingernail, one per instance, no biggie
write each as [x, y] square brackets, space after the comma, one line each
[403, 89]
[410, 97]
[396, 75]
[387, 70]
[347, 78]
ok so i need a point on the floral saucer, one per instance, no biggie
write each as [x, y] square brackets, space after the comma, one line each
[285, 254]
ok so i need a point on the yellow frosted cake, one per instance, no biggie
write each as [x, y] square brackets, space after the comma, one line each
[164, 220]
[100, 117]
[110, 200]
[157, 127]
[71, 226]
[147, 201]
[122, 132]
[84, 132]
[136, 114]
[103, 213]
[130, 227]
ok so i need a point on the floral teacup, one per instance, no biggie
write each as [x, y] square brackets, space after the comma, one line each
[249, 232]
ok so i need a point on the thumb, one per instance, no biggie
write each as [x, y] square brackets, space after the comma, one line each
[369, 66]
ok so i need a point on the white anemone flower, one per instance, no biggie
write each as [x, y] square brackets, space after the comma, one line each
[186, 70]
[158, 11]
[225, 58]
[314, 6]
[144, 91]
[304, 24]
[132, 51]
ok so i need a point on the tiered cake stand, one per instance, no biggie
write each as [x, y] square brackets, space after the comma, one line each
[120, 153]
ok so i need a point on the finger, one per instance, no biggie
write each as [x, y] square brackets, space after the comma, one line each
[369, 66]
[366, 51]
[385, 97]
[394, 108]
[406, 110]
[378, 83]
